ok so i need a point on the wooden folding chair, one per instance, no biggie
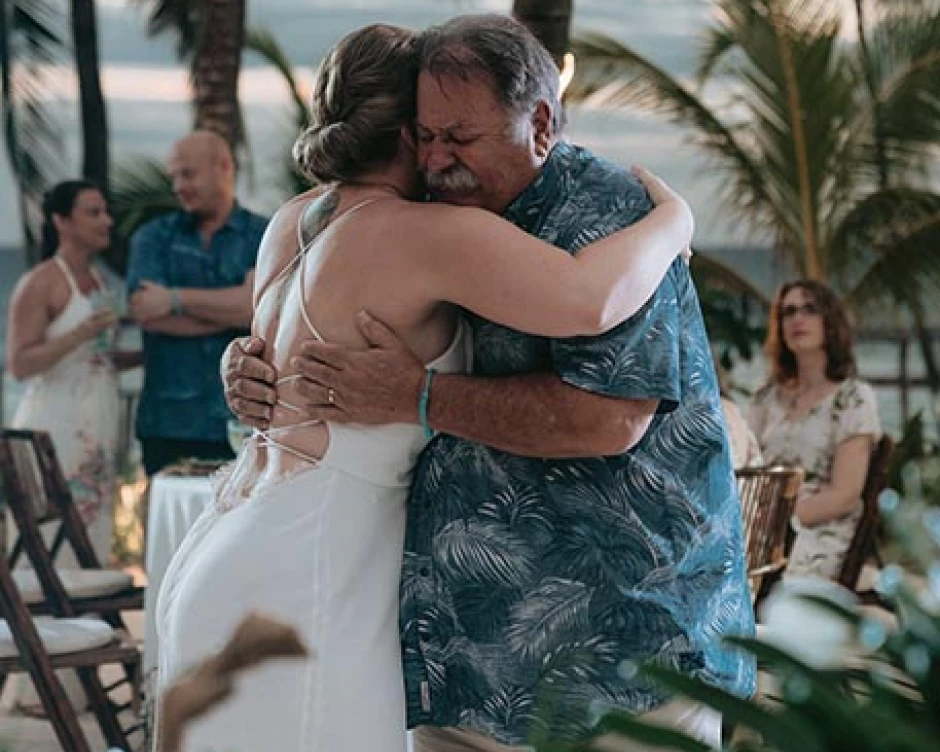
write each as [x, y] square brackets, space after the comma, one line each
[38, 495]
[863, 544]
[768, 498]
[32, 657]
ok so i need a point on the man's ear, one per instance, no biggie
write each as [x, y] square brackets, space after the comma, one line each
[408, 136]
[542, 128]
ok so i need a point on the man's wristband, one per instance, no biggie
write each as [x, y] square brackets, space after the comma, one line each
[423, 402]
[176, 302]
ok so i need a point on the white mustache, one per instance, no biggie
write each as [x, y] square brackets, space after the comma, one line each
[452, 180]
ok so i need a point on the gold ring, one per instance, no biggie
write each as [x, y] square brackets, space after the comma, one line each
[331, 395]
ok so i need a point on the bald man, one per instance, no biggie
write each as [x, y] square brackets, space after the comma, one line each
[190, 282]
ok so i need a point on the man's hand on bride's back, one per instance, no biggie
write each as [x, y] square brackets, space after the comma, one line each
[249, 381]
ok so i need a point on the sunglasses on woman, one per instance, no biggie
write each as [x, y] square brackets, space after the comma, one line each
[807, 309]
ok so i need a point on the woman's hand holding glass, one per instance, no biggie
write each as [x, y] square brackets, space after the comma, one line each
[100, 322]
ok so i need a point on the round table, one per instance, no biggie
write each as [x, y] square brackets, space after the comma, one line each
[175, 503]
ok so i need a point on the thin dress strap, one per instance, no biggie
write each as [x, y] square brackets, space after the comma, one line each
[99, 280]
[267, 438]
[73, 285]
[343, 217]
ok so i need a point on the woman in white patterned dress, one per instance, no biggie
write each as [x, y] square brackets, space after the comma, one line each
[817, 414]
[58, 343]
[308, 523]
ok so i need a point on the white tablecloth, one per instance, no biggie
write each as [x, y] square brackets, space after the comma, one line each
[175, 503]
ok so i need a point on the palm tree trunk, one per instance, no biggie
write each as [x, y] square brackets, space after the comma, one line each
[216, 66]
[781, 24]
[549, 21]
[94, 115]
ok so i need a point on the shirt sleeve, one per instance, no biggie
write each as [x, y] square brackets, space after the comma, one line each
[637, 360]
[146, 260]
[857, 412]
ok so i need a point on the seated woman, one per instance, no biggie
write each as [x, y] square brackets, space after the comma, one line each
[816, 414]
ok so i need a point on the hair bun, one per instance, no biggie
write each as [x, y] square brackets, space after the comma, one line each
[363, 93]
[323, 152]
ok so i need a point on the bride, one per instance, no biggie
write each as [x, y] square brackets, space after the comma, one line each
[308, 521]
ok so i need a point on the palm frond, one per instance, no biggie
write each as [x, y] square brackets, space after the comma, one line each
[906, 61]
[711, 272]
[907, 268]
[33, 44]
[609, 74]
[263, 43]
[876, 221]
[140, 191]
[180, 19]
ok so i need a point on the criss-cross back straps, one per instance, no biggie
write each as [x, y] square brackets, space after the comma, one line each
[267, 438]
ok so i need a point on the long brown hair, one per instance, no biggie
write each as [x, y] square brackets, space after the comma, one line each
[840, 360]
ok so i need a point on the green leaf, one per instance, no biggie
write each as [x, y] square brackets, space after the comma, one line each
[784, 733]
[623, 724]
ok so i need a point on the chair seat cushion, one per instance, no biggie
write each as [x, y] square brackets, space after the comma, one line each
[60, 636]
[78, 583]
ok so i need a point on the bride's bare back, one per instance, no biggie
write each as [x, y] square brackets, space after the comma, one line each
[325, 258]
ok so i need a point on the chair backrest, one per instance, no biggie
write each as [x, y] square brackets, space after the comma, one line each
[37, 493]
[863, 541]
[768, 497]
[34, 659]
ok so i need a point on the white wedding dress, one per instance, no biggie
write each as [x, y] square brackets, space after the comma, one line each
[321, 550]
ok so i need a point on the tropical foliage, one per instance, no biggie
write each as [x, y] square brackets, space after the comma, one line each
[209, 36]
[32, 40]
[823, 142]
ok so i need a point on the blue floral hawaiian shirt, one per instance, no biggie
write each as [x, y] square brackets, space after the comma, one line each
[530, 587]
[183, 397]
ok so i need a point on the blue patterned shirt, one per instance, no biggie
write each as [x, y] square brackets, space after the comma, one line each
[183, 395]
[531, 586]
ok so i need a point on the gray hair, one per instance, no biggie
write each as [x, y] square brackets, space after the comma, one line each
[518, 68]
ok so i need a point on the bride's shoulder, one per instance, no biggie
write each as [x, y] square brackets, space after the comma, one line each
[287, 216]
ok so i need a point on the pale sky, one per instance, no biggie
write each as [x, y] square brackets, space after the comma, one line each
[148, 97]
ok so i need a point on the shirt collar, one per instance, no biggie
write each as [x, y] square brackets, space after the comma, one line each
[236, 219]
[526, 208]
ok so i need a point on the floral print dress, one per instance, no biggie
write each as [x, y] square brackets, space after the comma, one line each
[78, 404]
[810, 440]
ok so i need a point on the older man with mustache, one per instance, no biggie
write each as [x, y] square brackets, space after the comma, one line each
[576, 512]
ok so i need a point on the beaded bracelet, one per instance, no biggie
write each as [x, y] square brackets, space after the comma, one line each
[423, 401]
[176, 303]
